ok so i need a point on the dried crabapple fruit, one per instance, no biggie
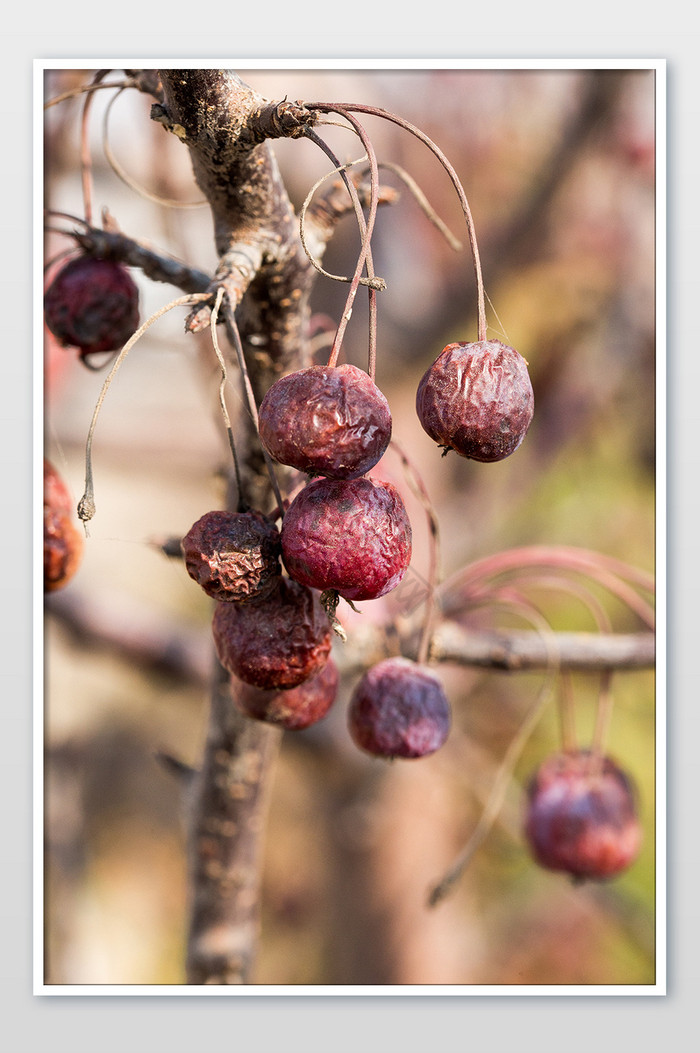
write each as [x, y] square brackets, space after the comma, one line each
[326, 420]
[274, 642]
[234, 556]
[63, 542]
[92, 304]
[399, 709]
[581, 816]
[349, 535]
[477, 399]
[294, 708]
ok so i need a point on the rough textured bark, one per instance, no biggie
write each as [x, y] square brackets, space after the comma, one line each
[267, 278]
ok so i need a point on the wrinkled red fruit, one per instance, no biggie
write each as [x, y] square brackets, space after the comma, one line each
[275, 642]
[93, 305]
[326, 420]
[350, 535]
[234, 556]
[63, 543]
[293, 709]
[399, 709]
[477, 399]
[581, 816]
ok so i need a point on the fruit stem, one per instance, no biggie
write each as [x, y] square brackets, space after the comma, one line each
[616, 577]
[86, 505]
[503, 775]
[418, 487]
[85, 156]
[365, 258]
[242, 505]
[235, 338]
[603, 717]
[347, 108]
[567, 711]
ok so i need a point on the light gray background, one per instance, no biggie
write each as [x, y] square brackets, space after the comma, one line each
[540, 29]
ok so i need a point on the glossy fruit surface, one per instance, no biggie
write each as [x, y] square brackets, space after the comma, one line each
[92, 304]
[234, 556]
[350, 535]
[581, 816]
[275, 642]
[293, 709]
[477, 399]
[399, 709]
[63, 542]
[326, 420]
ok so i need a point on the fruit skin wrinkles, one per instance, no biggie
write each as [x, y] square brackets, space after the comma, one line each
[477, 399]
[353, 536]
[326, 420]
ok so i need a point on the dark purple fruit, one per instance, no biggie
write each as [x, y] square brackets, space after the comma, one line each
[477, 399]
[399, 709]
[326, 420]
[234, 556]
[275, 642]
[581, 816]
[63, 542]
[293, 709]
[92, 304]
[349, 535]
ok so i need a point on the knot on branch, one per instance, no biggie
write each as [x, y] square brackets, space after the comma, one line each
[280, 120]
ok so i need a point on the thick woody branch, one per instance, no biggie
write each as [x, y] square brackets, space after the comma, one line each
[143, 640]
[516, 651]
[110, 244]
[267, 279]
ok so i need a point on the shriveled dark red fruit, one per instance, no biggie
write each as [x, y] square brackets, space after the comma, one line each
[477, 399]
[349, 535]
[399, 709]
[326, 420]
[63, 542]
[275, 642]
[234, 556]
[582, 816]
[293, 709]
[92, 304]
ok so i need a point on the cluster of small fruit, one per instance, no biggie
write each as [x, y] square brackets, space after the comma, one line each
[346, 536]
[343, 535]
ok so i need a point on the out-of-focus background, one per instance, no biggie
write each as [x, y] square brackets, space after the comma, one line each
[558, 166]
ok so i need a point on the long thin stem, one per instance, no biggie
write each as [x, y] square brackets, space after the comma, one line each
[85, 155]
[419, 489]
[365, 257]
[86, 505]
[504, 773]
[347, 108]
[249, 394]
[242, 505]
